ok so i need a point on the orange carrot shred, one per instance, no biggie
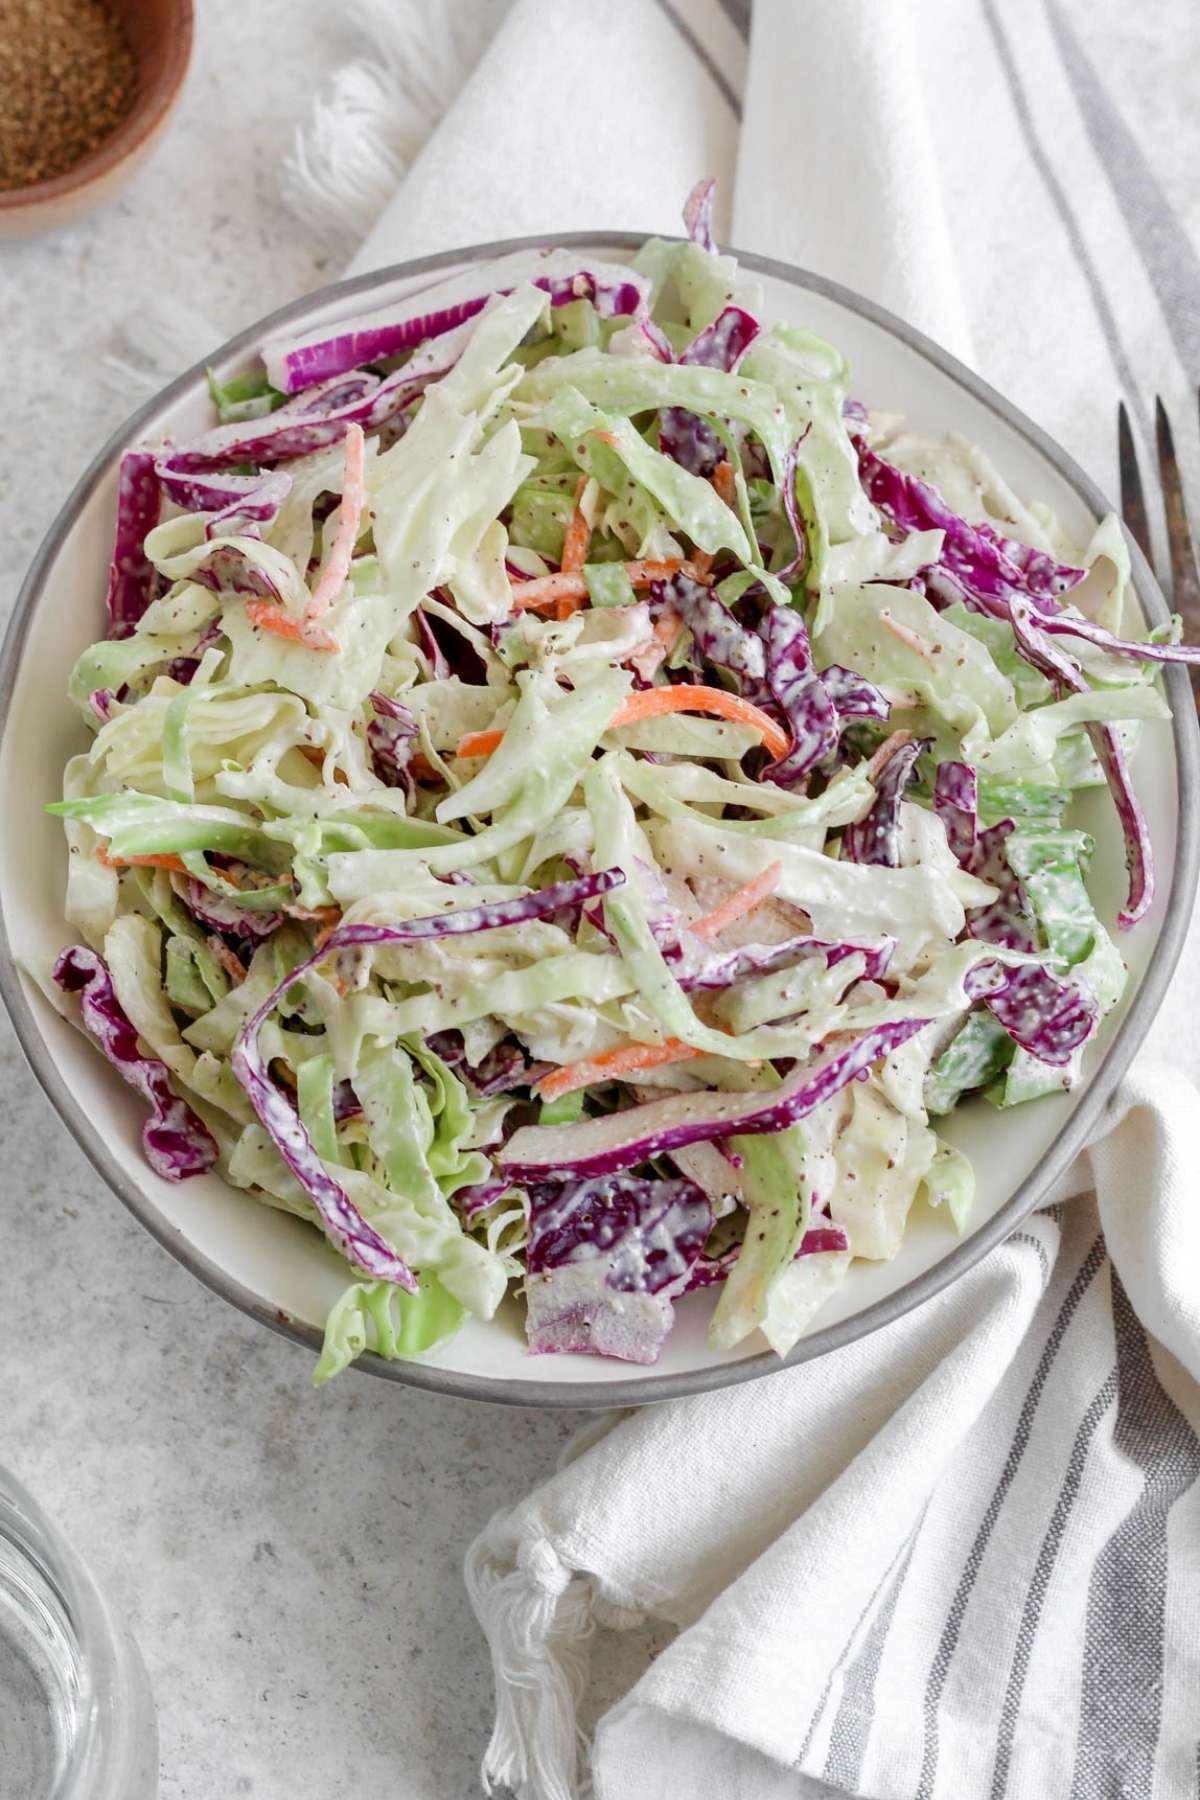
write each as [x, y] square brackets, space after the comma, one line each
[332, 578]
[548, 590]
[723, 482]
[165, 860]
[662, 641]
[575, 538]
[300, 631]
[610, 1064]
[229, 960]
[744, 900]
[653, 703]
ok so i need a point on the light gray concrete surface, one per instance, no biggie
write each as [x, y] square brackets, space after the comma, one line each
[289, 1560]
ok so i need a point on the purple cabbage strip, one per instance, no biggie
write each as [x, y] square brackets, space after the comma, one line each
[853, 696]
[622, 1140]
[1048, 1017]
[717, 634]
[1039, 650]
[101, 701]
[431, 647]
[131, 574]
[792, 511]
[226, 916]
[974, 556]
[800, 695]
[1066, 624]
[698, 211]
[228, 570]
[722, 969]
[284, 435]
[1008, 919]
[237, 502]
[476, 1199]
[723, 344]
[346, 1103]
[344, 1225]
[685, 437]
[176, 1142]
[392, 738]
[502, 1069]
[818, 1240]
[876, 838]
[956, 803]
[295, 366]
[605, 1258]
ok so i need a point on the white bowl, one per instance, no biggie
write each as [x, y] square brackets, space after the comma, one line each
[278, 1269]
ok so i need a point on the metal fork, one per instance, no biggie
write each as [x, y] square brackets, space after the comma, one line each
[1185, 577]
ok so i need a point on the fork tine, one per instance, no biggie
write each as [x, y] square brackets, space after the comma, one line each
[1185, 577]
[1133, 500]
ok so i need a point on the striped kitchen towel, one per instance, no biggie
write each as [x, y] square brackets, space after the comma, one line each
[958, 1559]
[961, 1558]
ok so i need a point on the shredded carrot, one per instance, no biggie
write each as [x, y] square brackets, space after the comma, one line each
[479, 743]
[885, 751]
[575, 538]
[723, 482]
[548, 590]
[316, 757]
[332, 578]
[612, 1063]
[653, 703]
[168, 860]
[273, 618]
[662, 641]
[330, 926]
[229, 960]
[744, 900]
[574, 555]
[610, 438]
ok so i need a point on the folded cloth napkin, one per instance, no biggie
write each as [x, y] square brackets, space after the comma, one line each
[962, 1556]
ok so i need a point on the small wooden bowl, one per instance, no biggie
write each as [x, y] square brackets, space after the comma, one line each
[160, 36]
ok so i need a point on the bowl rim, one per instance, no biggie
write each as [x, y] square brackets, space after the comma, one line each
[144, 118]
[626, 1391]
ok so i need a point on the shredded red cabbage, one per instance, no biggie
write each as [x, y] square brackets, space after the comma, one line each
[698, 211]
[131, 574]
[176, 1142]
[625, 1139]
[1048, 1017]
[293, 367]
[605, 1257]
[801, 696]
[876, 837]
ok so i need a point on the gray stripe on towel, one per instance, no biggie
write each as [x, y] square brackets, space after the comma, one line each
[703, 55]
[1120, 1710]
[902, 1555]
[1164, 246]
[1047, 1558]
[852, 1722]
[940, 1667]
[1074, 235]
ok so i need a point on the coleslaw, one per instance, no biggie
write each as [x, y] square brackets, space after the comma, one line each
[574, 801]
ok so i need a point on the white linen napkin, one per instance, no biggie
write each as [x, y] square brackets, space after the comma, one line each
[961, 1557]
